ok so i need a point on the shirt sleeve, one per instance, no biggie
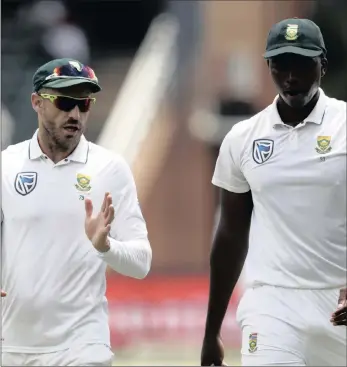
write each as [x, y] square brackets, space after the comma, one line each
[228, 173]
[130, 252]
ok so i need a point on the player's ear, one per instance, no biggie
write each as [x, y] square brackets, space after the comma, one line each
[36, 102]
[324, 66]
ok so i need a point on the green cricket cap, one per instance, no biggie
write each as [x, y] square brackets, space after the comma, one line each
[298, 36]
[62, 73]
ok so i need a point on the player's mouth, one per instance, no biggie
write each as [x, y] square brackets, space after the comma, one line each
[72, 129]
[293, 93]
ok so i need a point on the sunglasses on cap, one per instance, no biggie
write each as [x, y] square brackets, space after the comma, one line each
[73, 69]
[67, 104]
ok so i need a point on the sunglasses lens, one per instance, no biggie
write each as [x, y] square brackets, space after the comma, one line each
[70, 70]
[65, 104]
[84, 104]
[68, 104]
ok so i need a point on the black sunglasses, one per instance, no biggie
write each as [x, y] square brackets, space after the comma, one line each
[67, 104]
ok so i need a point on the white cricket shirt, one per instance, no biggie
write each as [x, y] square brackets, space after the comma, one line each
[298, 181]
[53, 276]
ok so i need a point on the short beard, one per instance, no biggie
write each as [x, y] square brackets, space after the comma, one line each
[54, 142]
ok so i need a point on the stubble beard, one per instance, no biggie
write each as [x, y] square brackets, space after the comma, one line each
[57, 141]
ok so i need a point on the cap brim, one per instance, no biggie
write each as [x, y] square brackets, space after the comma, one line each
[292, 50]
[67, 82]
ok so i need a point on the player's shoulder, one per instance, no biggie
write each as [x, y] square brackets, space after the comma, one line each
[112, 160]
[16, 151]
[245, 129]
[336, 105]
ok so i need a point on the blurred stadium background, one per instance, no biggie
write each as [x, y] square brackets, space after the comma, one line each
[176, 76]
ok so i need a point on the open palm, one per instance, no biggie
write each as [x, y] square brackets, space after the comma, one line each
[98, 227]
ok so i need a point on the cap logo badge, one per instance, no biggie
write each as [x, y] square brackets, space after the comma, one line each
[76, 65]
[291, 32]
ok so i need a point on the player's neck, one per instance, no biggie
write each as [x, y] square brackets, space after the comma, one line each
[294, 116]
[50, 149]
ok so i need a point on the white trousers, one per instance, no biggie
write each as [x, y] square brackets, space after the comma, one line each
[86, 355]
[290, 327]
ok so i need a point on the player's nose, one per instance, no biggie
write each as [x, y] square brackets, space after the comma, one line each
[75, 113]
[292, 76]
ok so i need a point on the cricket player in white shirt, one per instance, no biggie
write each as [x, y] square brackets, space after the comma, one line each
[69, 209]
[282, 175]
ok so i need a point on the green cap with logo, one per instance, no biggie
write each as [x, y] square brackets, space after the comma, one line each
[298, 36]
[63, 73]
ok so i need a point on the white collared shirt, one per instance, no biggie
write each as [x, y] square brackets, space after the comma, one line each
[297, 176]
[53, 276]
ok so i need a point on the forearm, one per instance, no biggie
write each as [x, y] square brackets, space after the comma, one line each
[226, 262]
[130, 258]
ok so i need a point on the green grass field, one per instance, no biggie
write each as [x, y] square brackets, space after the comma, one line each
[167, 355]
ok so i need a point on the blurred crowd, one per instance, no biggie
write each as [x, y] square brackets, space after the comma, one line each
[35, 33]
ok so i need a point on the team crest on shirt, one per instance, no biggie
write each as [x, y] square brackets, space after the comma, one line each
[25, 182]
[291, 32]
[253, 342]
[262, 150]
[83, 183]
[323, 144]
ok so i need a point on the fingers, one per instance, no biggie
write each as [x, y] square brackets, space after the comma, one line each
[340, 323]
[88, 207]
[214, 364]
[3, 294]
[217, 362]
[340, 310]
[106, 202]
[109, 209]
[342, 307]
[340, 319]
[110, 215]
[342, 297]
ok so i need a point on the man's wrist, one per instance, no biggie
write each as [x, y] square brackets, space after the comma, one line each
[105, 247]
[211, 334]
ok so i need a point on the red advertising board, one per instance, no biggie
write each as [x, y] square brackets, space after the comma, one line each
[169, 308]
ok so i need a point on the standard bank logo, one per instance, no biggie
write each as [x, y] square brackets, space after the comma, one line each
[262, 150]
[25, 182]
